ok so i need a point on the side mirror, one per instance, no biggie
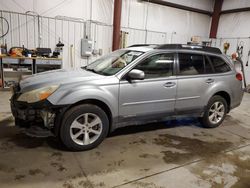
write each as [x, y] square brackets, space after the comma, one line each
[136, 74]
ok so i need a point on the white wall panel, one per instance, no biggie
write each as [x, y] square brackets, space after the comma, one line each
[168, 19]
[71, 8]
[135, 36]
[17, 5]
[199, 25]
[145, 22]
[156, 37]
[137, 14]
[234, 25]
[152, 17]
[102, 11]
[200, 4]
[233, 4]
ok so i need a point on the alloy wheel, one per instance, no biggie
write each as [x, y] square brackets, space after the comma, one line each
[216, 112]
[86, 129]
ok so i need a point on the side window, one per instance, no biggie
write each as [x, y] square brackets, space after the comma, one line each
[190, 64]
[219, 64]
[208, 67]
[160, 65]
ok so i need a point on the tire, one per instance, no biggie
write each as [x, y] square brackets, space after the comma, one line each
[211, 121]
[84, 127]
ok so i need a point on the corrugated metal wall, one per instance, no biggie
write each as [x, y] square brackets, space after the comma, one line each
[145, 23]
[23, 30]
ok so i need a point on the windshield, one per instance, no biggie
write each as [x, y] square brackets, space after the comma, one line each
[113, 62]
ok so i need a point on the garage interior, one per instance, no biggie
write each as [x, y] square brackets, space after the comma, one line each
[175, 153]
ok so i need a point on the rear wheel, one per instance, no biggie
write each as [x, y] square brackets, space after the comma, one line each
[215, 112]
[84, 127]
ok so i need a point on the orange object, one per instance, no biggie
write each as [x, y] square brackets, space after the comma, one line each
[44, 95]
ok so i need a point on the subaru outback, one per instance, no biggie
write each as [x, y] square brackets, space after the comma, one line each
[130, 86]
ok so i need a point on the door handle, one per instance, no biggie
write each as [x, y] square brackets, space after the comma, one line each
[169, 84]
[209, 81]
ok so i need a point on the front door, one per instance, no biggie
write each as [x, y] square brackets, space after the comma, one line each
[155, 95]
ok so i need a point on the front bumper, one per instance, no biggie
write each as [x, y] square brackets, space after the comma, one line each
[42, 112]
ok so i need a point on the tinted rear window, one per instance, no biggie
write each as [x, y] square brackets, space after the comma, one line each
[190, 64]
[219, 64]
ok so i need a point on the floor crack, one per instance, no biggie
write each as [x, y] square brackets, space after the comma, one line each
[180, 166]
[82, 171]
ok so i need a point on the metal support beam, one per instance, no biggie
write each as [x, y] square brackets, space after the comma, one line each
[178, 6]
[215, 18]
[117, 24]
[235, 10]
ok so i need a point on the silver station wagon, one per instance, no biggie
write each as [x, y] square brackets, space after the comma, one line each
[130, 86]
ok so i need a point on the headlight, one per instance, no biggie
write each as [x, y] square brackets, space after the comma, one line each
[38, 94]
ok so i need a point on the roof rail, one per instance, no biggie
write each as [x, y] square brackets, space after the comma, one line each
[141, 45]
[189, 47]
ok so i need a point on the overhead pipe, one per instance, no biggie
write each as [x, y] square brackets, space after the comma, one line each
[117, 24]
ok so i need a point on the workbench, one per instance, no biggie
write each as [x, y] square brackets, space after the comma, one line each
[12, 69]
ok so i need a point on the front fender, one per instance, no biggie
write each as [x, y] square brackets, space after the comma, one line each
[106, 94]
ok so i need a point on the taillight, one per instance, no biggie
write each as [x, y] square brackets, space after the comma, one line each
[239, 77]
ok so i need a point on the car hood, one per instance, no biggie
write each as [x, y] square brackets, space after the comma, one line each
[57, 77]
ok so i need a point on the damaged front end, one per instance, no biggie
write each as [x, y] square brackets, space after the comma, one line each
[37, 119]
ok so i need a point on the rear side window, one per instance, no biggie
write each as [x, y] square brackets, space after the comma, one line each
[190, 64]
[219, 64]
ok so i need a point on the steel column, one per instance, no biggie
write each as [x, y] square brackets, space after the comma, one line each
[117, 24]
[215, 18]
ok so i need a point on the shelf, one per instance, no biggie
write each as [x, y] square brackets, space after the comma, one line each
[10, 65]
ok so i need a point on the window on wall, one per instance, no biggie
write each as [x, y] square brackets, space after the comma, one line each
[160, 65]
[220, 66]
[190, 64]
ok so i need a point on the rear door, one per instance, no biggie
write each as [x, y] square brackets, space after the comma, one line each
[193, 80]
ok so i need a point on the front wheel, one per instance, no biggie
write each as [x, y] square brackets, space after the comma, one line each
[215, 112]
[84, 127]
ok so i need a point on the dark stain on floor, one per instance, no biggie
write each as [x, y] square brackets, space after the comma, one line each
[146, 155]
[242, 170]
[19, 177]
[68, 185]
[58, 166]
[116, 163]
[191, 148]
[34, 172]
[25, 141]
[139, 141]
[6, 169]
[140, 184]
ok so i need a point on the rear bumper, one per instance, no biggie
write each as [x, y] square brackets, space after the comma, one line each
[237, 100]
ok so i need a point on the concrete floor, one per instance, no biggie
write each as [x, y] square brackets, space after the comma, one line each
[172, 154]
